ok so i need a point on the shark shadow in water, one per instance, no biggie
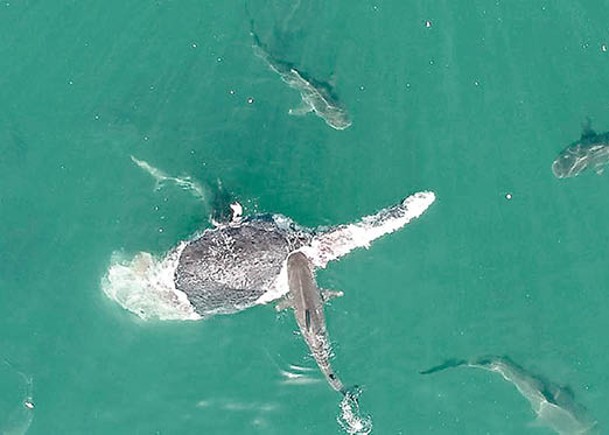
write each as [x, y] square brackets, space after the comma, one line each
[554, 405]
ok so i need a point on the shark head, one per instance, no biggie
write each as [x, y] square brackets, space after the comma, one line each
[336, 117]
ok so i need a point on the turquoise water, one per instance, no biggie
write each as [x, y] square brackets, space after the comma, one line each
[474, 106]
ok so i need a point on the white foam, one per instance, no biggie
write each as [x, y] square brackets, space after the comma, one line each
[350, 418]
[227, 404]
[237, 210]
[161, 177]
[145, 286]
[279, 289]
[301, 369]
[334, 244]
[299, 376]
[18, 421]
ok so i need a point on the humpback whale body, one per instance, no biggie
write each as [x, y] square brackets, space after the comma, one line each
[233, 266]
[243, 263]
[554, 405]
[591, 151]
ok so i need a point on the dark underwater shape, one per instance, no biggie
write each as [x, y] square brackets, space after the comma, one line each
[222, 203]
[317, 96]
[591, 151]
[554, 405]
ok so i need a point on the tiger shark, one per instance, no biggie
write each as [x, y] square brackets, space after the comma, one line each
[307, 300]
[554, 405]
[317, 97]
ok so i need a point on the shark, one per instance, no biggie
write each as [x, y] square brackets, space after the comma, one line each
[554, 405]
[317, 96]
[591, 151]
[307, 300]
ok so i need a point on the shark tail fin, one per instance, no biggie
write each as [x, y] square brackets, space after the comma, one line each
[448, 364]
[253, 33]
[352, 392]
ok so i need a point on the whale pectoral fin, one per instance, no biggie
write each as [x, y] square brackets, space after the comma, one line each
[284, 304]
[332, 243]
[599, 170]
[301, 110]
[327, 295]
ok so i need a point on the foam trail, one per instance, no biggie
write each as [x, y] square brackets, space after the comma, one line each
[295, 374]
[144, 285]
[350, 418]
[161, 177]
[301, 369]
[240, 406]
[20, 419]
[297, 378]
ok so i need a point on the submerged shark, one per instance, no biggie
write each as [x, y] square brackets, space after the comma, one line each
[243, 263]
[590, 151]
[554, 405]
[317, 97]
[307, 301]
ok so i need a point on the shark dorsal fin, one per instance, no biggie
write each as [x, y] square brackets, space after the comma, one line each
[587, 131]
[308, 319]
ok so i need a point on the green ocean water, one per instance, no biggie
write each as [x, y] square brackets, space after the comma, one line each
[475, 105]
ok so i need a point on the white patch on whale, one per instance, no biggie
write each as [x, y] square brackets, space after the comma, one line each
[144, 285]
